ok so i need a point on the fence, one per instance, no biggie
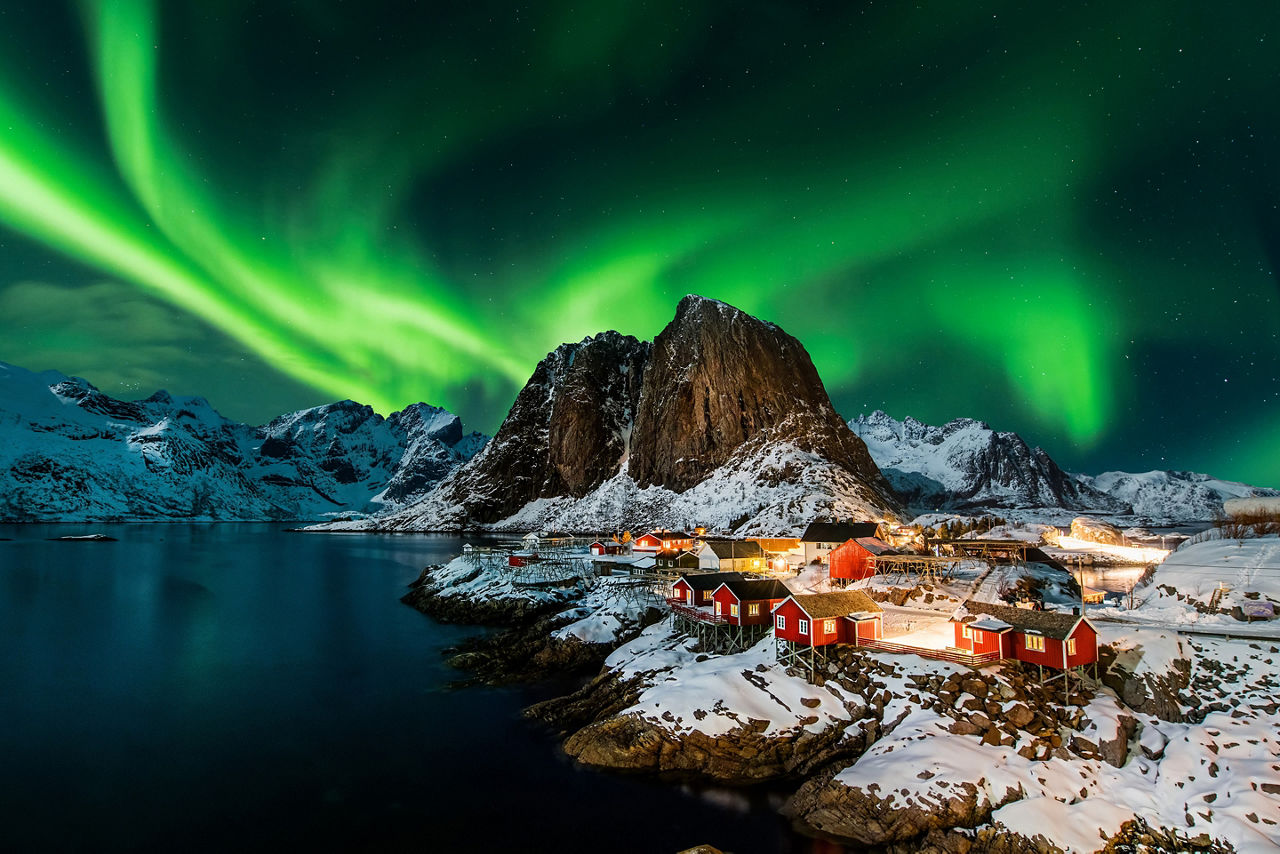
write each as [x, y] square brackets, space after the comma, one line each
[953, 655]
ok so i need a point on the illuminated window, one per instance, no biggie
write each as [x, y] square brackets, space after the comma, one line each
[753, 610]
[717, 609]
[782, 622]
[1035, 643]
[803, 626]
[829, 627]
[1071, 646]
[733, 610]
[966, 633]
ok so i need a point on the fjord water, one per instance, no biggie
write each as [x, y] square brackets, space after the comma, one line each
[239, 687]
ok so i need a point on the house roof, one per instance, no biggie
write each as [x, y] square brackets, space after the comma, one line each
[778, 544]
[677, 553]
[991, 624]
[837, 532]
[1048, 623]
[875, 545]
[841, 604]
[735, 548]
[757, 590]
[709, 580]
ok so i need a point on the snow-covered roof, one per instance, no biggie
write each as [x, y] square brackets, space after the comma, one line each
[990, 624]
[839, 604]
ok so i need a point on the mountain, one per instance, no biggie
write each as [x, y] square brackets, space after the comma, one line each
[964, 465]
[68, 452]
[722, 421]
[1175, 495]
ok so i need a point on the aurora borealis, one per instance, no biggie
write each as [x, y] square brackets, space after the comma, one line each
[1061, 219]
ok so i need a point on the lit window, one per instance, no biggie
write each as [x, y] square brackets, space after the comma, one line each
[966, 633]
[803, 626]
[829, 627]
[1071, 646]
[782, 622]
[753, 610]
[733, 610]
[717, 609]
[1035, 643]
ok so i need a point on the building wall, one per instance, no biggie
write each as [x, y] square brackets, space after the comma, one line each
[865, 630]
[1051, 657]
[794, 615]
[850, 561]
[1086, 646]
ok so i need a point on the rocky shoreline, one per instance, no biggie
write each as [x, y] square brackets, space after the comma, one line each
[856, 745]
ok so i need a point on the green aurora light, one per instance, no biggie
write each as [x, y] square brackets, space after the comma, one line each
[1063, 223]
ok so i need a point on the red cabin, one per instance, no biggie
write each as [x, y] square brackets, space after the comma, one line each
[851, 561]
[826, 618]
[662, 541]
[695, 590]
[603, 548]
[748, 603]
[1046, 638]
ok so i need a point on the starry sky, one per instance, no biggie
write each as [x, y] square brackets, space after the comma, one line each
[1060, 218]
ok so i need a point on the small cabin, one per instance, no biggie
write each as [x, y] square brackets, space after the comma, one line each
[821, 619]
[599, 547]
[731, 555]
[852, 559]
[663, 541]
[748, 603]
[1047, 638]
[694, 589]
[676, 560]
[820, 539]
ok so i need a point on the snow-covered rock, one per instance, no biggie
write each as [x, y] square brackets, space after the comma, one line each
[1178, 495]
[68, 452]
[965, 465]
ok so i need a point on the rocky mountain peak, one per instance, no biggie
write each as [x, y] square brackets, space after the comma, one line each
[717, 378]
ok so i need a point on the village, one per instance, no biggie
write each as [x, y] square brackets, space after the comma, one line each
[972, 601]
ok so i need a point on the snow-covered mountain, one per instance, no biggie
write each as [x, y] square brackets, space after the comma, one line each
[722, 421]
[68, 452]
[1176, 495]
[965, 465]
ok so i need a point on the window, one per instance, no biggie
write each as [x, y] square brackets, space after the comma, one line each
[1035, 643]
[1071, 646]
[733, 610]
[966, 633]
[717, 609]
[782, 622]
[829, 627]
[688, 596]
[753, 610]
[803, 626]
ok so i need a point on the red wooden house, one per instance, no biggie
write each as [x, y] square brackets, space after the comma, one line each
[748, 603]
[821, 619]
[600, 547]
[851, 560]
[694, 590]
[662, 541]
[1045, 638]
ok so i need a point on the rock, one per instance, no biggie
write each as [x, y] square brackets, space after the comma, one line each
[964, 727]
[1020, 716]
[1096, 531]
[867, 818]
[628, 742]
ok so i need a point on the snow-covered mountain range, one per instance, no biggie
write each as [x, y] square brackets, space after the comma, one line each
[965, 466]
[68, 452]
[722, 420]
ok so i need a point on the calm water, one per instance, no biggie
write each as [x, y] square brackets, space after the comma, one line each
[220, 687]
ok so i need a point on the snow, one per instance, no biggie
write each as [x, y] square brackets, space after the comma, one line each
[70, 453]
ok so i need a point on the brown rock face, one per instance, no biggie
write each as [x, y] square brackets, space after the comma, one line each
[566, 432]
[718, 377]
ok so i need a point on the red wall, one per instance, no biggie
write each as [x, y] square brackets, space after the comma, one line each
[681, 590]
[1086, 645]
[984, 642]
[794, 615]
[1051, 657]
[646, 543]
[865, 630]
[849, 560]
[726, 599]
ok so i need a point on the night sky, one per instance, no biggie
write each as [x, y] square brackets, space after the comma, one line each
[1062, 219]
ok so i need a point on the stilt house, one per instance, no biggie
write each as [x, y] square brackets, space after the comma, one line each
[852, 560]
[1044, 638]
[822, 538]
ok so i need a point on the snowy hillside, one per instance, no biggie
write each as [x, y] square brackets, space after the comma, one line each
[1180, 495]
[68, 452]
[771, 489]
[965, 465]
